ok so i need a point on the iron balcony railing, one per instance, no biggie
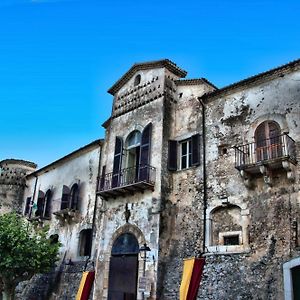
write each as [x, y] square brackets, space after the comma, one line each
[278, 147]
[126, 177]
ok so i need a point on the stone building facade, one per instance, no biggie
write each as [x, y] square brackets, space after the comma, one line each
[185, 169]
[226, 184]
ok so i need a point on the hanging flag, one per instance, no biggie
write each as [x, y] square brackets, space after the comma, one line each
[191, 277]
[85, 285]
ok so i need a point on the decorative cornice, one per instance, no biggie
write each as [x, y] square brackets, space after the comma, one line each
[165, 63]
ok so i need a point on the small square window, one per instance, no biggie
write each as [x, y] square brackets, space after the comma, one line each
[185, 148]
[231, 240]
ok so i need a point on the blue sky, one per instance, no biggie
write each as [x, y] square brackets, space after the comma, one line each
[59, 57]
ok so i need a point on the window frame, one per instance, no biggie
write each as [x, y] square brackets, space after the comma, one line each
[188, 154]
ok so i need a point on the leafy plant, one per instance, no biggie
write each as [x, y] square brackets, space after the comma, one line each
[24, 251]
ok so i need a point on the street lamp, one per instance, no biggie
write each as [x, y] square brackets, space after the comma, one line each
[143, 253]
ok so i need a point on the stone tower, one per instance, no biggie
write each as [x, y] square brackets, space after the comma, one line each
[12, 183]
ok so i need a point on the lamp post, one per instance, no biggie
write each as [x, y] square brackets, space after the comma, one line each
[143, 253]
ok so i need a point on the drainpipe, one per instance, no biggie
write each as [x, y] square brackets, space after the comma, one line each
[96, 202]
[204, 172]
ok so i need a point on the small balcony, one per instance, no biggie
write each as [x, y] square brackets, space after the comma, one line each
[127, 181]
[278, 152]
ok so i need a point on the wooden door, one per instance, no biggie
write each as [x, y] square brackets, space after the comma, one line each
[123, 272]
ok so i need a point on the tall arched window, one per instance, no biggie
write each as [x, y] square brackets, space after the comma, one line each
[132, 145]
[267, 139]
[74, 197]
[40, 204]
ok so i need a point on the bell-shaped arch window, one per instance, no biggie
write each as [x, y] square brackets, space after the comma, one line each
[268, 141]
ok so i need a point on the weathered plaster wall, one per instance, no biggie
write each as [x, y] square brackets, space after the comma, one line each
[63, 282]
[268, 211]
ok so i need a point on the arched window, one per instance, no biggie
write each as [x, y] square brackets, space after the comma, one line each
[74, 197]
[132, 145]
[268, 142]
[85, 242]
[137, 80]
[226, 226]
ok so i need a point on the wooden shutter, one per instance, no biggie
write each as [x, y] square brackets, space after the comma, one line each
[117, 162]
[196, 150]
[172, 155]
[65, 197]
[145, 152]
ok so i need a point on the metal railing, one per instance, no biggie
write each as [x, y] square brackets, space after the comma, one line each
[127, 176]
[282, 146]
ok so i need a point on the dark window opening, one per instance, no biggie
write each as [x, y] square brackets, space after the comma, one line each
[65, 197]
[54, 239]
[27, 206]
[85, 245]
[47, 212]
[231, 240]
[137, 80]
[40, 204]
[296, 279]
[74, 197]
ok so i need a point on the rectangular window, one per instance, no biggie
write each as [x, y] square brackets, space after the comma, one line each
[231, 240]
[185, 148]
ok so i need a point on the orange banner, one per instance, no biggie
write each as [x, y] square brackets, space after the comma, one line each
[85, 286]
[191, 277]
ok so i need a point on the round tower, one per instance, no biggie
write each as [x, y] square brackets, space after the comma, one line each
[12, 183]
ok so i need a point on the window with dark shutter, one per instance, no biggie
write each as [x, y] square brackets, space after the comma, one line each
[195, 150]
[117, 162]
[145, 152]
[172, 155]
[65, 197]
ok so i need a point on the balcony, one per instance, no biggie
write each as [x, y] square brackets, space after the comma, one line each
[278, 152]
[127, 181]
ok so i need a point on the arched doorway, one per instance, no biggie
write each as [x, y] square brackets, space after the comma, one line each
[123, 268]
